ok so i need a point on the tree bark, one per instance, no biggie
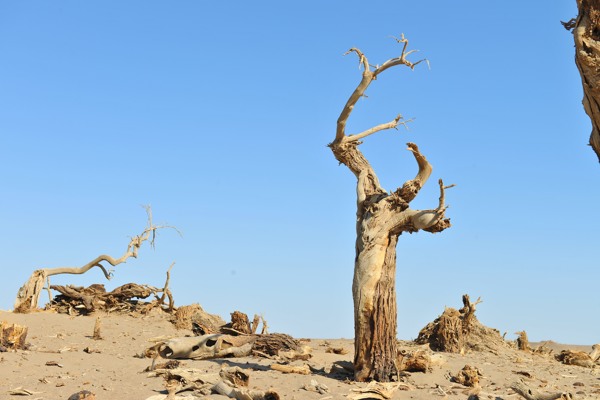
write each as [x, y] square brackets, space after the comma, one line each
[381, 218]
[586, 33]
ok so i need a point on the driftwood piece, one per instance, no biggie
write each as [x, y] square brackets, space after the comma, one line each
[468, 376]
[12, 336]
[291, 369]
[533, 394]
[206, 347]
[378, 391]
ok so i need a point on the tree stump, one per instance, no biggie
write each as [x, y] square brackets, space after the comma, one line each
[12, 336]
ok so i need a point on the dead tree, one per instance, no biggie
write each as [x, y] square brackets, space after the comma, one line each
[380, 218]
[29, 294]
[586, 33]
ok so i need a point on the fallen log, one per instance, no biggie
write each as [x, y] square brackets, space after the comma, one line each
[532, 394]
[291, 369]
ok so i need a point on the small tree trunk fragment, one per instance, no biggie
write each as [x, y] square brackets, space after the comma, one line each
[417, 361]
[97, 330]
[523, 341]
[12, 336]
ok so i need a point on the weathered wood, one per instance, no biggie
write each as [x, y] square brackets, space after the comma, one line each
[467, 376]
[573, 357]
[291, 369]
[586, 34]
[456, 331]
[381, 217]
[533, 394]
[13, 336]
[523, 341]
[97, 335]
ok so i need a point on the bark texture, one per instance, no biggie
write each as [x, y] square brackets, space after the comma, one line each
[586, 33]
[380, 218]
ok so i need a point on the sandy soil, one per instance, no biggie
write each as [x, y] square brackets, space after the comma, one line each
[64, 359]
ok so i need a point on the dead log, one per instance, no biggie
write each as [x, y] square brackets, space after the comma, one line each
[468, 376]
[12, 336]
[573, 357]
[291, 369]
[206, 347]
[275, 343]
[532, 394]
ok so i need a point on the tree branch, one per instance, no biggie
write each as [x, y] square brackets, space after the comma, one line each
[411, 188]
[367, 77]
[399, 60]
[389, 125]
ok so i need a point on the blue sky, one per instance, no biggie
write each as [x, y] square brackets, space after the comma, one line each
[218, 115]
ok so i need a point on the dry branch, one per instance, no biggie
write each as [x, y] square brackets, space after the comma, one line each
[532, 394]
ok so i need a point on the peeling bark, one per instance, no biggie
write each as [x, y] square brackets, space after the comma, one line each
[381, 217]
[586, 33]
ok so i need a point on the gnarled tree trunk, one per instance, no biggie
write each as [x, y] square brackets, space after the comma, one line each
[381, 218]
[586, 32]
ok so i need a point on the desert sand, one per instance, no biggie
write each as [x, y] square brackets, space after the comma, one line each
[62, 359]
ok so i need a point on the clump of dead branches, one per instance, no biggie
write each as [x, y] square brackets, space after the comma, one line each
[457, 331]
[78, 300]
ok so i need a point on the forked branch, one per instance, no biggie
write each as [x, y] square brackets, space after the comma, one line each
[367, 77]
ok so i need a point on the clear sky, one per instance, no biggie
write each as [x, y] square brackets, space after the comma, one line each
[218, 115]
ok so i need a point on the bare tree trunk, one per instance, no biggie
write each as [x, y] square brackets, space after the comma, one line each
[381, 218]
[586, 32]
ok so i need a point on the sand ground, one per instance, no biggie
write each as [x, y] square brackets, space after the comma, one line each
[63, 359]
